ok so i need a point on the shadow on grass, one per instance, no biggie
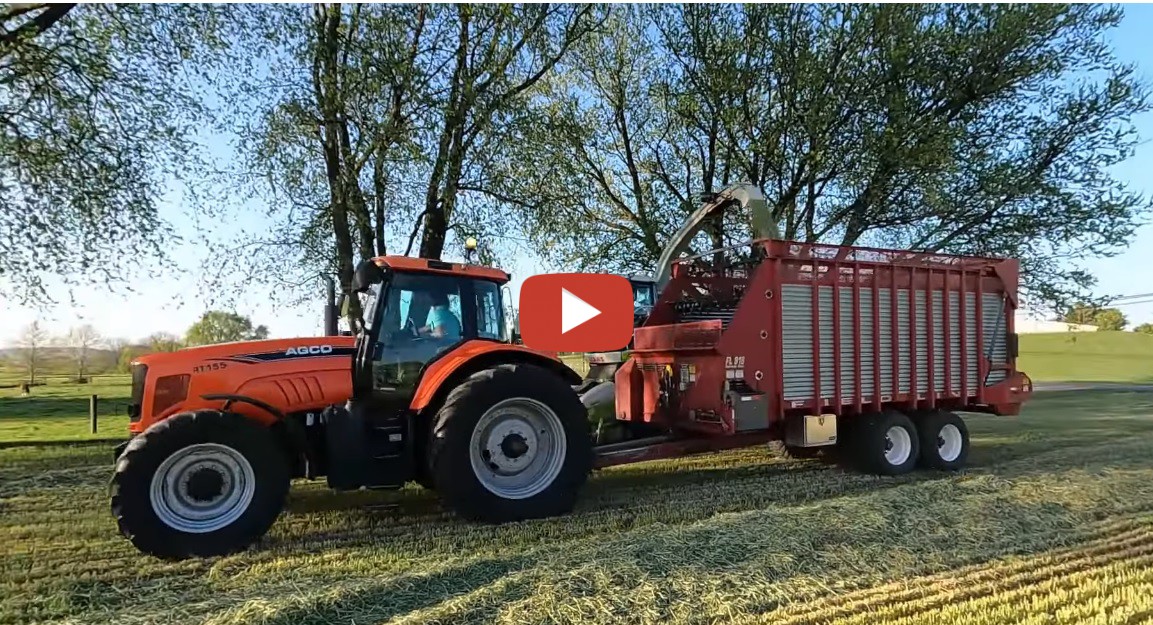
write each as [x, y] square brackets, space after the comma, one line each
[693, 489]
[858, 537]
[313, 500]
[358, 601]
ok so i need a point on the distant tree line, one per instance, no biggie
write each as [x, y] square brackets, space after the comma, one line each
[1106, 319]
[82, 352]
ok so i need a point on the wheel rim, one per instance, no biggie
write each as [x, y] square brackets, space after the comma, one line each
[517, 448]
[949, 442]
[898, 445]
[202, 488]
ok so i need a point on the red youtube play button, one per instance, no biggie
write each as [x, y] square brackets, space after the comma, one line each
[576, 312]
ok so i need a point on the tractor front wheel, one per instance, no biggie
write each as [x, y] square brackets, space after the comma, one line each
[511, 443]
[199, 484]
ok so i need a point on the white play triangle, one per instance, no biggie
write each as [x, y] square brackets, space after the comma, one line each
[574, 311]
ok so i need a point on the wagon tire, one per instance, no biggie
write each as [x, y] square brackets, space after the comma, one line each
[885, 443]
[199, 484]
[533, 450]
[944, 441]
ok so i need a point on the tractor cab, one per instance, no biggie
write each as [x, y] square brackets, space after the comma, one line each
[644, 296]
[415, 310]
[424, 326]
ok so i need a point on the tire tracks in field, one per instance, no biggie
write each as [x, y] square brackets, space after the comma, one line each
[1130, 539]
[620, 514]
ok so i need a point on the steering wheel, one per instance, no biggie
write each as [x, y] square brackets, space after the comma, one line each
[410, 325]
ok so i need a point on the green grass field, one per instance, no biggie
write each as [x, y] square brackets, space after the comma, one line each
[1088, 357]
[1052, 523]
[58, 411]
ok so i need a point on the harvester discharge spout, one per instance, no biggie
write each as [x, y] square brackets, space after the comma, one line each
[598, 398]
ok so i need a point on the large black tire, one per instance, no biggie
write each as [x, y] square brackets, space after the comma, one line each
[944, 440]
[449, 447]
[870, 443]
[227, 435]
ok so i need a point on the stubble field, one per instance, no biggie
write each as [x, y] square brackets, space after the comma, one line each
[1053, 523]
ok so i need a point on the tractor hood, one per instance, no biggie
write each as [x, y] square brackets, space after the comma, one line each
[256, 351]
[260, 379]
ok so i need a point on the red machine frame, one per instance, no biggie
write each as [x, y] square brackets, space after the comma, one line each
[755, 332]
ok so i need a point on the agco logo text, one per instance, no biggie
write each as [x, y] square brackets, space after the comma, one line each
[312, 350]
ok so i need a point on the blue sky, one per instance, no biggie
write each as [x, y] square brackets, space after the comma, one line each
[168, 296]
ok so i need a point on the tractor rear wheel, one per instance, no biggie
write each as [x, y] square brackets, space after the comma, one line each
[199, 484]
[511, 442]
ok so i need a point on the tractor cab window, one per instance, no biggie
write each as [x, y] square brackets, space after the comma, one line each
[490, 323]
[422, 306]
[643, 296]
[421, 315]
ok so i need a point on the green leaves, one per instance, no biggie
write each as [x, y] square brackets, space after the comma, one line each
[96, 115]
[969, 129]
[1106, 319]
[220, 327]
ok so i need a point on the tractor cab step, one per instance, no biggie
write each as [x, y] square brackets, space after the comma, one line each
[368, 450]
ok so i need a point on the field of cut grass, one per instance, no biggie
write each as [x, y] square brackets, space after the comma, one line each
[59, 410]
[1053, 523]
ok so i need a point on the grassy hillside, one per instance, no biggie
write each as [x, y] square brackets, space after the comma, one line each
[1053, 523]
[1087, 357]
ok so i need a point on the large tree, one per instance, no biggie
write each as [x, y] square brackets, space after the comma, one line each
[980, 129]
[98, 108]
[165, 341]
[1106, 319]
[216, 326]
[81, 341]
[30, 346]
[363, 133]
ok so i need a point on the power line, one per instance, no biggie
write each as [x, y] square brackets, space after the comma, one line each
[1124, 298]
[1133, 303]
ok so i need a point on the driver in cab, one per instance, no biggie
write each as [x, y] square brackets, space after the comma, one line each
[441, 322]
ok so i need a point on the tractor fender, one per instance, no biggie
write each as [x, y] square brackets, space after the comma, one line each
[288, 432]
[445, 373]
[229, 399]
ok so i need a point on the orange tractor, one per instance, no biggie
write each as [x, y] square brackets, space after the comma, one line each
[219, 431]
[863, 354]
